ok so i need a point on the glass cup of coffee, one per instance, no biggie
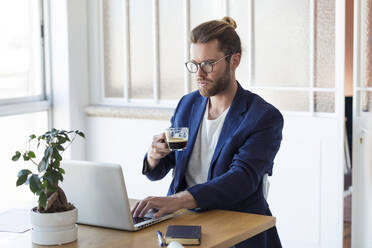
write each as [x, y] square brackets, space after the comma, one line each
[176, 138]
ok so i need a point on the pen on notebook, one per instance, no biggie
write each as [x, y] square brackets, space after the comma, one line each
[160, 238]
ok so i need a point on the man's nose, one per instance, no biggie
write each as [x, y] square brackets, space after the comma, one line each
[200, 72]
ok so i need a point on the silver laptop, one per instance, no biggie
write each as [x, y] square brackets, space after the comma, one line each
[98, 191]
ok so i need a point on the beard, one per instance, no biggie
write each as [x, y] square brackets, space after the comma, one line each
[217, 86]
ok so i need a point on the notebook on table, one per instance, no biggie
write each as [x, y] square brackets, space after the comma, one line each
[186, 235]
[99, 193]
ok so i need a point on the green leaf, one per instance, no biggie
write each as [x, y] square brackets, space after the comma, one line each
[51, 188]
[59, 147]
[60, 177]
[35, 184]
[43, 199]
[26, 157]
[31, 154]
[62, 171]
[24, 172]
[56, 164]
[16, 156]
[52, 178]
[80, 133]
[21, 180]
[56, 155]
[47, 153]
[22, 176]
[49, 179]
[57, 176]
[32, 136]
[44, 184]
[43, 165]
[65, 135]
[61, 140]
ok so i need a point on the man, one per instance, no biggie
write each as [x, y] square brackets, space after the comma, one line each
[234, 136]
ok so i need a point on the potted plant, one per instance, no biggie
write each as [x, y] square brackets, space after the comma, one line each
[54, 219]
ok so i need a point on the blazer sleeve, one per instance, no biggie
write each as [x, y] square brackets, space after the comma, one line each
[165, 164]
[161, 170]
[251, 161]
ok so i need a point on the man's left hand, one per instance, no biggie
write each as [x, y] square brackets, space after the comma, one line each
[164, 205]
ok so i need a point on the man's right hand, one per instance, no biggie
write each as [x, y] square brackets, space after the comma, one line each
[158, 150]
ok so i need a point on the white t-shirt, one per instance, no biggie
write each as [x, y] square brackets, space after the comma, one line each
[205, 144]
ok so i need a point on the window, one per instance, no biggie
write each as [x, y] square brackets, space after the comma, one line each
[288, 59]
[21, 74]
[294, 54]
[24, 106]
[153, 73]
[364, 81]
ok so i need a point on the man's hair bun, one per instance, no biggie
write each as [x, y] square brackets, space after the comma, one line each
[223, 30]
[229, 21]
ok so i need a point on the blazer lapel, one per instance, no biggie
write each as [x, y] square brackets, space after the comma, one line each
[196, 116]
[232, 121]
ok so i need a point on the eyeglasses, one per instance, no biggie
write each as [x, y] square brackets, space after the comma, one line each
[205, 66]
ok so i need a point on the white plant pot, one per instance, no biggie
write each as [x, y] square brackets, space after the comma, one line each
[54, 228]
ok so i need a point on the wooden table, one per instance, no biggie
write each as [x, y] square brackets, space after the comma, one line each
[220, 228]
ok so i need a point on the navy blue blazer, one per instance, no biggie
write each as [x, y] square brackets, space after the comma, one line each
[248, 143]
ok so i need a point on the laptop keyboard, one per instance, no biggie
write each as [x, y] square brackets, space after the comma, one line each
[148, 216]
[137, 220]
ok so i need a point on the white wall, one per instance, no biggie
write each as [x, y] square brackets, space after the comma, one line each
[305, 193]
[69, 68]
[125, 141]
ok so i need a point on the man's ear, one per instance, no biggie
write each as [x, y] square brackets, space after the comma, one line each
[235, 61]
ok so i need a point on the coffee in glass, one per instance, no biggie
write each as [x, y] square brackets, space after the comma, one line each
[176, 138]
